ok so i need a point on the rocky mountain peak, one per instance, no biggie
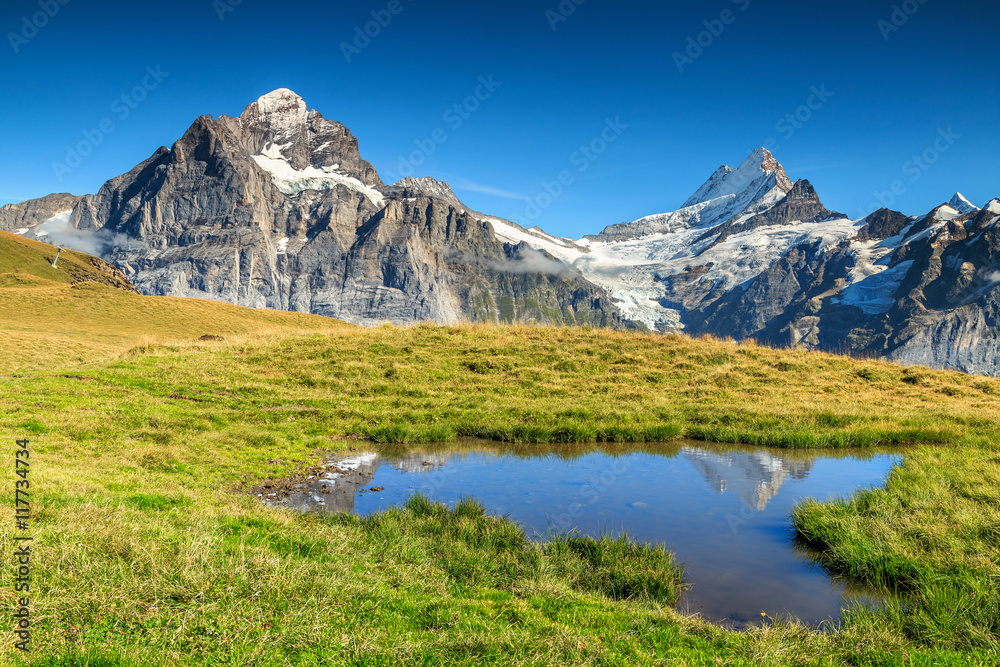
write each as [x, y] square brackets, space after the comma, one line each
[428, 187]
[803, 192]
[299, 145]
[768, 161]
[961, 204]
[280, 118]
[281, 107]
[883, 224]
[747, 177]
[761, 159]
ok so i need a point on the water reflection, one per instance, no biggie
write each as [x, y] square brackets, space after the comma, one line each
[753, 476]
[723, 511]
[337, 490]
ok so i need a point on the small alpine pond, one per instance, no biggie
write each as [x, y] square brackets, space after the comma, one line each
[723, 510]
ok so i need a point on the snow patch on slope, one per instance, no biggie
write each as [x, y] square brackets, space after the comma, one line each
[946, 213]
[742, 257]
[291, 181]
[508, 233]
[875, 292]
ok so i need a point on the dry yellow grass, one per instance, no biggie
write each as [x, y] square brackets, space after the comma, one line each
[64, 316]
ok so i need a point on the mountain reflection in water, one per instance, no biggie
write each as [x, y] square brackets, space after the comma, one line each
[723, 511]
[753, 476]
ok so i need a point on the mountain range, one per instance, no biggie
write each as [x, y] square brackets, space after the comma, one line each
[277, 209]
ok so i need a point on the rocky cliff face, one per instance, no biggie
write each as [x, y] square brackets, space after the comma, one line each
[277, 209]
[23, 217]
[913, 290]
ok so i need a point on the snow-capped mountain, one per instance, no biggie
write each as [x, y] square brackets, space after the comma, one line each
[277, 209]
[719, 240]
[770, 262]
[757, 184]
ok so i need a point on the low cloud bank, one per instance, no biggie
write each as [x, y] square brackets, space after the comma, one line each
[526, 260]
[59, 230]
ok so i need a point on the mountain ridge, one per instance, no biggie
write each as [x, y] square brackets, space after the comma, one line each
[276, 208]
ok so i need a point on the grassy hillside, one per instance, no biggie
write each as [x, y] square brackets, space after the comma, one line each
[82, 311]
[24, 262]
[146, 554]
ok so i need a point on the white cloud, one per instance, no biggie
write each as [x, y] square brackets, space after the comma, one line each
[59, 230]
[528, 260]
[469, 186]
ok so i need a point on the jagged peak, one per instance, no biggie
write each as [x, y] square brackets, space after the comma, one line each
[802, 189]
[882, 224]
[279, 109]
[993, 206]
[430, 187]
[728, 181]
[762, 159]
[280, 94]
[421, 182]
[886, 214]
[961, 204]
[275, 101]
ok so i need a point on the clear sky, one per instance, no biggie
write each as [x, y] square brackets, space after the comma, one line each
[885, 85]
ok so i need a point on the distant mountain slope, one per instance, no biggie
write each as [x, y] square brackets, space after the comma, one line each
[21, 218]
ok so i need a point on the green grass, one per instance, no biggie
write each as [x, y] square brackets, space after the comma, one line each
[146, 556]
[27, 263]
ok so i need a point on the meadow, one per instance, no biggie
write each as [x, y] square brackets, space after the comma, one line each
[147, 417]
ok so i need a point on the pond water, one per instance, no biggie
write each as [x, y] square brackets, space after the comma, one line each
[724, 512]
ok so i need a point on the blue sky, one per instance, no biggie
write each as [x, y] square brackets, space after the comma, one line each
[886, 84]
